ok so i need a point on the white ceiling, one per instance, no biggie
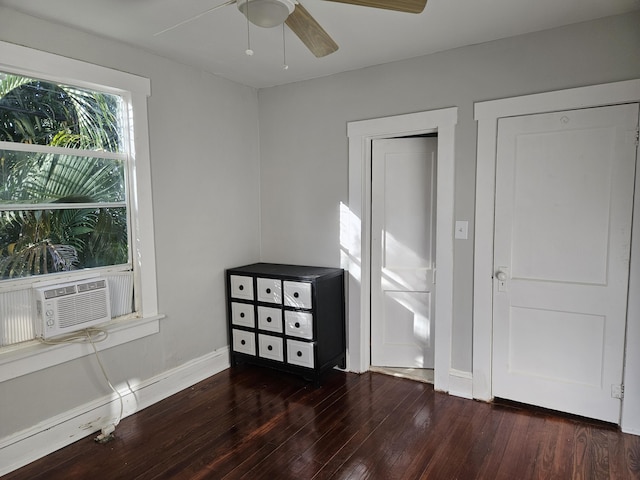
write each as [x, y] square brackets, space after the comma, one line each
[216, 42]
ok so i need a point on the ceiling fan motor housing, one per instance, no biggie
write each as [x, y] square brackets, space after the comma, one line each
[266, 13]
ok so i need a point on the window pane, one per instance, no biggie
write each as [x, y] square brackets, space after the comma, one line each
[44, 113]
[37, 242]
[28, 177]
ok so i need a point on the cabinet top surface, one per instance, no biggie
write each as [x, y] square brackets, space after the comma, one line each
[285, 270]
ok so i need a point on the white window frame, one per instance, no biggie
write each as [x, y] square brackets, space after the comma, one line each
[27, 357]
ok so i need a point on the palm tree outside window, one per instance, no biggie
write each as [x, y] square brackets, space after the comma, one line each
[63, 178]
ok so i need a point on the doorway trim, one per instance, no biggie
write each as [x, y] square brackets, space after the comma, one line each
[487, 115]
[357, 248]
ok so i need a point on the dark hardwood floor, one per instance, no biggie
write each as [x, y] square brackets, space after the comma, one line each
[253, 423]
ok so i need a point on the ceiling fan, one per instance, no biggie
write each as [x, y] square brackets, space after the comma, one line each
[271, 13]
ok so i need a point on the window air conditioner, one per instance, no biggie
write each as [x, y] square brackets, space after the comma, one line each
[67, 307]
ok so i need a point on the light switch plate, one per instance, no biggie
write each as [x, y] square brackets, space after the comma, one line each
[462, 229]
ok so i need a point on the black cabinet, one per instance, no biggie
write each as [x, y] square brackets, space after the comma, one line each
[288, 317]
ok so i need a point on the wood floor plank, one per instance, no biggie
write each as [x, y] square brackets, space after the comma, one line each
[396, 434]
[258, 424]
[536, 436]
[514, 458]
[547, 447]
[299, 413]
[565, 451]
[349, 412]
[630, 464]
[463, 435]
[494, 459]
[319, 438]
[250, 422]
[444, 422]
[382, 397]
[197, 432]
[409, 448]
[592, 453]
[480, 438]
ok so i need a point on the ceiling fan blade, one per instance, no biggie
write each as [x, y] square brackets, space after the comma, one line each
[408, 6]
[230, 2]
[310, 32]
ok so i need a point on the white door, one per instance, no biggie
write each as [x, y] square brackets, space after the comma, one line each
[403, 252]
[564, 193]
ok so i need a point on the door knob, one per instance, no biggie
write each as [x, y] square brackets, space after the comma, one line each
[500, 275]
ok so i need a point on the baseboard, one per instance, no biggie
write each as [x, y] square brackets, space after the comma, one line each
[460, 383]
[24, 447]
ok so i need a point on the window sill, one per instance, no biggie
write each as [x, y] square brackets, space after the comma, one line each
[34, 356]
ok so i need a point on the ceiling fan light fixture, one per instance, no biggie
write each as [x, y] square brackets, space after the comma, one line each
[266, 13]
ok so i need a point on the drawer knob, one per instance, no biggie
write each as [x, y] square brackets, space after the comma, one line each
[299, 353]
[243, 342]
[242, 315]
[241, 287]
[268, 290]
[297, 324]
[270, 347]
[296, 295]
[268, 319]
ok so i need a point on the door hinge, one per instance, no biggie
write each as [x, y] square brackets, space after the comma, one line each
[617, 391]
[433, 276]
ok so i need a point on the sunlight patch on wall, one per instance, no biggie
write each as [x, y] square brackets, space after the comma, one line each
[350, 241]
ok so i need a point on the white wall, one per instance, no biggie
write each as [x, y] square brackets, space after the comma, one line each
[205, 174]
[303, 142]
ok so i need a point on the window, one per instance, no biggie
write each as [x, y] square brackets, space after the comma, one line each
[75, 191]
[63, 202]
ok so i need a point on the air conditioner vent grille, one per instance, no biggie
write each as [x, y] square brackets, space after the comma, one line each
[82, 308]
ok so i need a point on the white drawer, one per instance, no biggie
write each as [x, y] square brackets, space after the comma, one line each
[270, 347]
[298, 324]
[297, 294]
[269, 290]
[270, 319]
[244, 342]
[242, 314]
[241, 287]
[300, 353]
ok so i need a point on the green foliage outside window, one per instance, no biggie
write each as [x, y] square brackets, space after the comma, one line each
[60, 211]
